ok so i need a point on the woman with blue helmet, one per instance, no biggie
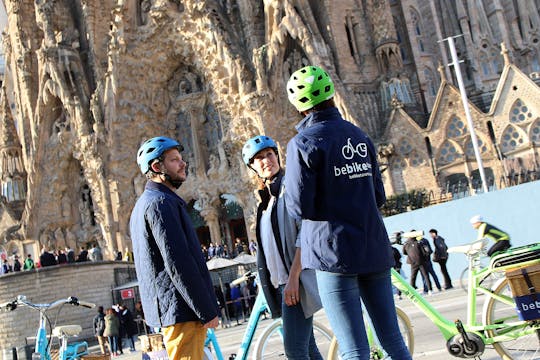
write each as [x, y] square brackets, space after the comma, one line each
[289, 291]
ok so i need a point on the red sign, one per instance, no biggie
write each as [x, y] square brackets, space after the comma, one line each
[127, 294]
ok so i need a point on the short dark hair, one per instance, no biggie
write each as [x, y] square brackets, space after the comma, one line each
[433, 231]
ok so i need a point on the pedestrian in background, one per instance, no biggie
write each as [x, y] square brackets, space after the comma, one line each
[28, 263]
[99, 329]
[16, 263]
[174, 281]
[440, 256]
[112, 331]
[333, 184]
[426, 252]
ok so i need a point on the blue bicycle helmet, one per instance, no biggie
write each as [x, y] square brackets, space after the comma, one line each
[153, 148]
[256, 144]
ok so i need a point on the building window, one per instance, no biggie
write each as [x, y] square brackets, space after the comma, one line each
[535, 132]
[404, 147]
[448, 153]
[456, 128]
[520, 112]
[512, 138]
[469, 149]
[415, 159]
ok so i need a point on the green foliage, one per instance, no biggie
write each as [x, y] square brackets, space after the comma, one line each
[400, 203]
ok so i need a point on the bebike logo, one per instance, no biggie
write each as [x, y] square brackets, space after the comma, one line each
[349, 150]
[535, 305]
[354, 169]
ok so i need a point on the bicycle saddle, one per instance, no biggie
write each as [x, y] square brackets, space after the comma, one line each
[67, 330]
[469, 249]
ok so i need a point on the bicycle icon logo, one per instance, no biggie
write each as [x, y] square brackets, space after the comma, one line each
[349, 150]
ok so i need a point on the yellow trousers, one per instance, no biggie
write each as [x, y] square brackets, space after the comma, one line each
[185, 341]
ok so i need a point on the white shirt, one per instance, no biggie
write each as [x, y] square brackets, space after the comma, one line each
[278, 273]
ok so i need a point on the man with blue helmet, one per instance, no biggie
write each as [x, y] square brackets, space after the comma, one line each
[334, 185]
[176, 290]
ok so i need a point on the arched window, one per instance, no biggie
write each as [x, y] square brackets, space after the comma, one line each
[512, 138]
[415, 159]
[418, 28]
[456, 127]
[430, 82]
[534, 132]
[404, 147]
[469, 149]
[484, 62]
[448, 153]
[495, 62]
[398, 163]
[520, 112]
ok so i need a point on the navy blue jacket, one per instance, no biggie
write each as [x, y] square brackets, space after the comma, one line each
[174, 281]
[334, 185]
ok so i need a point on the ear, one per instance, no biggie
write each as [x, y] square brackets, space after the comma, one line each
[156, 167]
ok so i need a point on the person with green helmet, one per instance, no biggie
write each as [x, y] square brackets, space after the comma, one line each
[175, 285]
[334, 186]
[289, 291]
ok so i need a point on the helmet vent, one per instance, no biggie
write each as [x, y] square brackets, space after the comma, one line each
[316, 92]
[304, 100]
[301, 86]
[150, 150]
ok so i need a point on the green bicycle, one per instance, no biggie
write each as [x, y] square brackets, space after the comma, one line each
[500, 327]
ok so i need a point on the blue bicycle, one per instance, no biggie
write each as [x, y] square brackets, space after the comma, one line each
[67, 351]
[269, 344]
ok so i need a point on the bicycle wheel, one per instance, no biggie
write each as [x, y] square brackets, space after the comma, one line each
[405, 327]
[497, 312]
[270, 343]
[486, 282]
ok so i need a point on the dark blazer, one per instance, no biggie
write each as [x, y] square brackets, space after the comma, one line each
[174, 281]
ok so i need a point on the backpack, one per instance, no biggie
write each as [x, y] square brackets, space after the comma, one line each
[100, 326]
[424, 250]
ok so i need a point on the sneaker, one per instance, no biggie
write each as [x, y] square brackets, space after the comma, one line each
[430, 293]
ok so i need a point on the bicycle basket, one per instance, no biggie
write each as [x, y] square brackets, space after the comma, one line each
[516, 256]
[525, 285]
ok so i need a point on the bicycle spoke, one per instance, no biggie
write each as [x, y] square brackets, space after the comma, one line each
[515, 342]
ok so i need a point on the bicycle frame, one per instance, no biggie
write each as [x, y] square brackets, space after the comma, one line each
[42, 349]
[259, 308]
[449, 329]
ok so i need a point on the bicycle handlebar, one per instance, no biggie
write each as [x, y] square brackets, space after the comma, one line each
[21, 300]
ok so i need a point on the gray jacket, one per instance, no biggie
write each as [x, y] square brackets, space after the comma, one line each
[289, 230]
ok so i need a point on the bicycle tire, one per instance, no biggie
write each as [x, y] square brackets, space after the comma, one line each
[270, 344]
[406, 331]
[497, 312]
[487, 282]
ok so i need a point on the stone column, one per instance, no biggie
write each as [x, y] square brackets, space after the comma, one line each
[211, 217]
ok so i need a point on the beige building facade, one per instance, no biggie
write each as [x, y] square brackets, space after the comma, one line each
[86, 82]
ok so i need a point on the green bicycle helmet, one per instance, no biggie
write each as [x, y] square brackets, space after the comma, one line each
[308, 87]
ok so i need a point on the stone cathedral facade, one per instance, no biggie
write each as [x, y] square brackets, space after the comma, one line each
[87, 81]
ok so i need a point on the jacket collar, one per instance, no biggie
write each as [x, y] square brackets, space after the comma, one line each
[331, 113]
[152, 185]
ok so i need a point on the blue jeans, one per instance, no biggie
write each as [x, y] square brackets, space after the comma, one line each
[298, 338]
[342, 296]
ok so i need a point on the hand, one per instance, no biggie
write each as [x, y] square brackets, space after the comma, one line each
[291, 292]
[212, 324]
